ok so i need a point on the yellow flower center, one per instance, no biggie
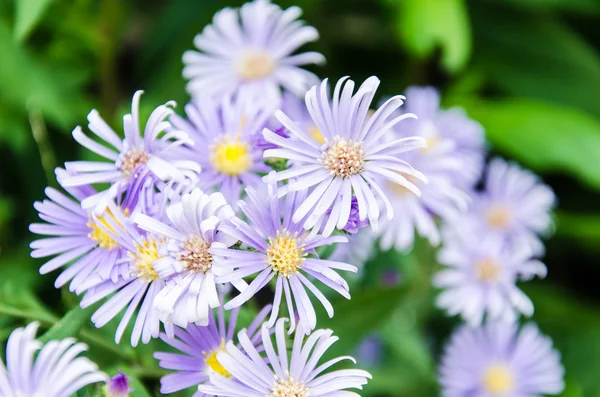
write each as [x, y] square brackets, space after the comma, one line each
[283, 254]
[255, 65]
[143, 260]
[498, 379]
[133, 159]
[98, 232]
[289, 387]
[231, 156]
[498, 216]
[343, 158]
[316, 134]
[195, 255]
[488, 270]
[214, 364]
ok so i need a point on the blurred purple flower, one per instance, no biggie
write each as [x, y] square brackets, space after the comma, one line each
[117, 386]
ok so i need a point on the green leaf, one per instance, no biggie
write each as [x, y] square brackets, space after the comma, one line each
[69, 325]
[543, 136]
[27, 15]
[583, 228]
[585, 7]
[425, 25]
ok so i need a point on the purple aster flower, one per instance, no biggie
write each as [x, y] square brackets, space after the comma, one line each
[155, 152]
[514, 207]
[198, 347]
[223, 135]
[498, 360]
[57, 371]
[279, 374]
[481, 279]
[248, 51]
[352, 159]
[117, 386]
[187, 266]
[77, 239]
[280, 249]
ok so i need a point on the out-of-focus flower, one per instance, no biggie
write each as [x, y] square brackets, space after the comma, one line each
[248, 51]
[481, 279]
[282, 249]
[514, 207]
[498, 360]
[198, 348]
[282, 375]
[190, 290]
[58, 371]
[351, 161]
[224, 133]
[131, 159]
[117, 386]
[370, 351]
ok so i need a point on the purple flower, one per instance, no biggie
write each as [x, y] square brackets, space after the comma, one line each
[280, 249]
[223, 135]
[155, 152]
[352, 159]
[77, 239]
[198, 348]
[279, 374]
[481, 279]
[354, 222]
[186, 265]
[370, 351]
[498, 360]
[57, 371]
[117, 386]
[247, 51]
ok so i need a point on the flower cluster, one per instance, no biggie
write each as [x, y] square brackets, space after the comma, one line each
[255, 188]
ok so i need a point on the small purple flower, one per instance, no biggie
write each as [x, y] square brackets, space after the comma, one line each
[498, 360]
[248, 52]
[117, 386]
[56, 371]
[351, 161]
[279, 374]
[199, 347]
[280, 249]
[354, 222]
[370, 351]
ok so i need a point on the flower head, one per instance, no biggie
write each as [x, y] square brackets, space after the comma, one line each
[481, 279]
[278, 374]
[249, 51]
[199, 346]
[280, 249]
[117, 386]
[499, 360]
[351, 162]
[153, 154]
[58, 370]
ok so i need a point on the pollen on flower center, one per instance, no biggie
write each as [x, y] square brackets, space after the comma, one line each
[283, 254]
[213, 363]
[231, 156]
[255, 65]
[316, 134]
[498, 216]
[132, 160]
[98, 232]
[195, 255]
[488, 270]
[289, 387]
[498, 379]
[344, 158]
[143, 260]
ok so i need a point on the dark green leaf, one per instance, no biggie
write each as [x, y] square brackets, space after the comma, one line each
[27, 15]
[585, 7]
[69, 325]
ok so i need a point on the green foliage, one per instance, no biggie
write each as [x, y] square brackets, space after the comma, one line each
[27, 15]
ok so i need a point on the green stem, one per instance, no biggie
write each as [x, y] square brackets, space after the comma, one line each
[40, 136]
[44, 318]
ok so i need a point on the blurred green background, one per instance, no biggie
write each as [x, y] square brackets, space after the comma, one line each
[528, 70]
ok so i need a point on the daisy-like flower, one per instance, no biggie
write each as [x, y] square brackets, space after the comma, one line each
[280, 375]
[58, 370]
[501, 361]
[154, 152]
[190, 290]
[515, 207]
[198, 348]
[481, 279]
[248, 51]
[224, 143]
[280, 249]
[77, 239]
[353, 158]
